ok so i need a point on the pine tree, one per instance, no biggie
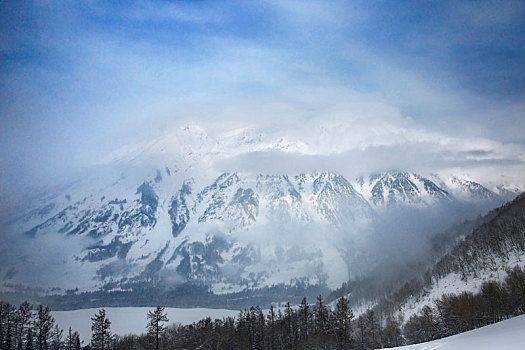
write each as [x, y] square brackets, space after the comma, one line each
[70, 340]
[304, 318]
[43, 325]
[321, 316]
[362, 332]
[289, 331]
[3, 318]
[342, 322]
[252, 326]
[29, 339]
[77, 342]
[155, 327]
[24, 320]
[271, 320]
[8, 342]
[8, 325]
[101, 334]
[371, 329]
[260, 325]
[56, 341]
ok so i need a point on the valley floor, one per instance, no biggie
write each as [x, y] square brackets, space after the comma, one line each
[508, 334]
[126, 320]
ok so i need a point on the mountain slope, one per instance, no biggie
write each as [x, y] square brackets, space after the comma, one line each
[210, 234]
[160, 214]
[486, 253]
[395, 187]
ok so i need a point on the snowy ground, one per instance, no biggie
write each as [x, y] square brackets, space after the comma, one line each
[125, 320]
[453, 284]
[509, 334]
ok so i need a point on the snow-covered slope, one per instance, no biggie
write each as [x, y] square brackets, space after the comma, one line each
[160, 213]
[238, 231]
[485, 252]
[396, 187]
[503, 335]
[467, 189]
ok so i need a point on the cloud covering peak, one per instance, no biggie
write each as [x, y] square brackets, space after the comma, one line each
[433, 85]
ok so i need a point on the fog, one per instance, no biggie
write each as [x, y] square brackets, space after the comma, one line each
[80, 80]
[355, 88]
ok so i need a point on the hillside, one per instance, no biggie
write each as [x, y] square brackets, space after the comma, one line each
[478, 280]
[504, 335]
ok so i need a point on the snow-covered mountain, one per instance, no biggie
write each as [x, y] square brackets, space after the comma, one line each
[469, 190]
[211, 233]
[396, 187]
[160, 213]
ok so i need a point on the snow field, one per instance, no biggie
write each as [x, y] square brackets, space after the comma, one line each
[508, 334]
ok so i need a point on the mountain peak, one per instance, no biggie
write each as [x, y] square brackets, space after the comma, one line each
[467, 189]
[395, 187]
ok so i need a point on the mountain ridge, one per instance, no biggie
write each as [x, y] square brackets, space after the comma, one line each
[196, 231]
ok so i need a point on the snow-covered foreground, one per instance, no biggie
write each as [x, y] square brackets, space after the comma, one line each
[509, 334]
[125, 320]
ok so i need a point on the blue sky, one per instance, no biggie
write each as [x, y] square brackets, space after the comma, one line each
[79, 79]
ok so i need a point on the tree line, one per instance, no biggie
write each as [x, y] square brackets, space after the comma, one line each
[25, 329]
[316, 326]
[453, 314]
[307, 327]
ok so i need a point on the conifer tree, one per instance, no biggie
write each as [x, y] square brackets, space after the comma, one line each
[342, 322]
[8, 342]
[24, 316]
[321, 316]
[29, 339]
[7, 326]
[43, 325]
[155, 327]
[304, 318]
[289, 331]
[101, 334]
[69, 340]
[261, 324]
[271, 320]
[56, 338]
[77, 342]
[371, 329]
[2, 321]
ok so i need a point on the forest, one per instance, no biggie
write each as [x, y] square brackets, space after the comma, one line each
[309, 326]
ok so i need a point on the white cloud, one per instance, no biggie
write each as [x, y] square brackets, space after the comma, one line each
[346, 133]
[306, 77]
